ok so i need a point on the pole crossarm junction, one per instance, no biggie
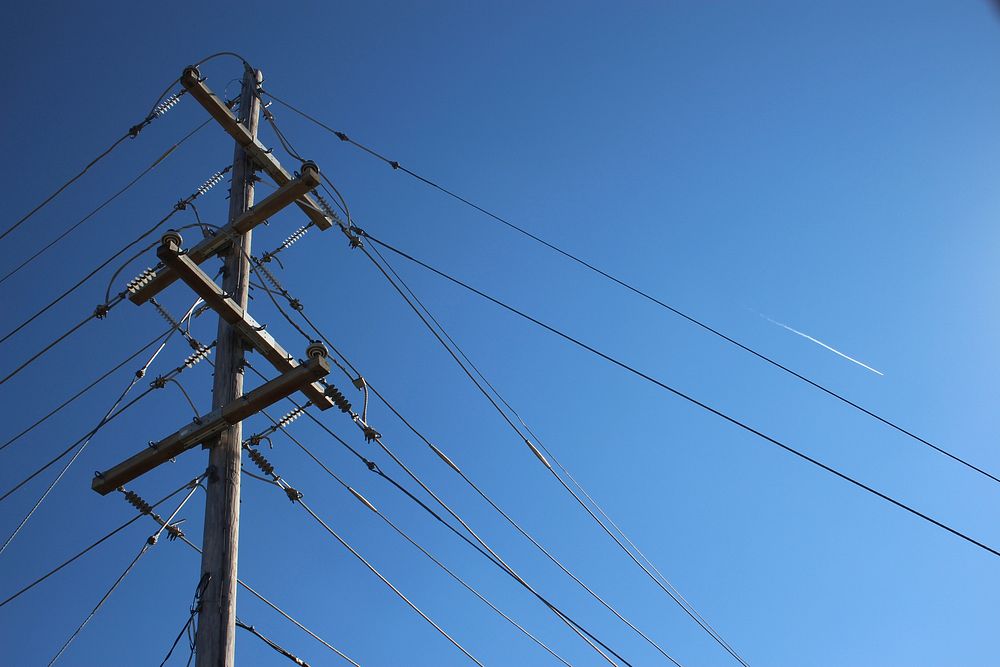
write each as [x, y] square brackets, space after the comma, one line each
[257, 214]
[192, 81]
[252, 332]
[205, 428]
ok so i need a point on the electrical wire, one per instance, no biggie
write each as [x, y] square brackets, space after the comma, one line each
[149, 543]
[646, 295]
[83, 446]
[83, 391]
[271, 644]
[671, 591]
[105, 203]
[692, 400]
[295, 496]
[179, 206]
[413, 542]
[89, 548]
[188, 363]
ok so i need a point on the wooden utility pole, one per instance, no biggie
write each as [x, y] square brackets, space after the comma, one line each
[216, 638]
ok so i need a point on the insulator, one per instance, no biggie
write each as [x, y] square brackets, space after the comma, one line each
[167, 104]
[293, 237]
[270, 277]
[141, 280]
[136, 501]
[164, 314]
[260, 461]
[212, 181]
[198, 355]
[174, 530]
[291, 416]
[338, 398]
[325, 205]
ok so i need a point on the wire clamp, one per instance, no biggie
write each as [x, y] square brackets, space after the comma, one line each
[101, 311]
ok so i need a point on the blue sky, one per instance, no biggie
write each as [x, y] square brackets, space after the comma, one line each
[831, 166]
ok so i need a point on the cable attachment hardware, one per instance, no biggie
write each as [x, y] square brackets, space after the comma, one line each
[212, 181]
[101, 311]
[260, 461]
[292, 494]
[338, 398]
[159, 383]
[370, 433]
[141, 280]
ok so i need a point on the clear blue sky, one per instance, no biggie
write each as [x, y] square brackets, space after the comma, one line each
[832, 166]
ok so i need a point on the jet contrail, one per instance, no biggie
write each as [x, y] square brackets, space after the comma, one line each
[819, 342]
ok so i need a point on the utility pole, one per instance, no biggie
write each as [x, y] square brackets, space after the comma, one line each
[216, 637]
[220, 430]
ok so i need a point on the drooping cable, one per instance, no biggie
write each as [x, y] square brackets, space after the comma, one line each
[191, 621]
[694, 401]
[646, 295]
[669, 589]
[91, 547]
[179, 206]
[105, 203]
[296, 496]
[413, 542]
[149, 543]
[277, 648]
[83, 391]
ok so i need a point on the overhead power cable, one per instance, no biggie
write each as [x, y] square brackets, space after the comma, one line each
[101, 312]
[147, 545]
[105, 203]
[483, 494]
[159, 109]
[413, 542]
[189, 362]
[296, 497]
[91, 547]
[189, 624]
[83, 391]
[277, 648]
[692, 400]
[646, 295]
[669, 589]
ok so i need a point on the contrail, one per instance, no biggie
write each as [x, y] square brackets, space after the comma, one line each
[819, 342]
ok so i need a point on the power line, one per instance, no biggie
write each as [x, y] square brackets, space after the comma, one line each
[671, 592]
[83, 391]
[482, 493]
[89, 548]
[103, 204]
[694, 401]
[693, 320]
[417, 545]
[271, 644]
[159, 109]
[179, 206]
[479, 545]
[295, 496]
[148, 544]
